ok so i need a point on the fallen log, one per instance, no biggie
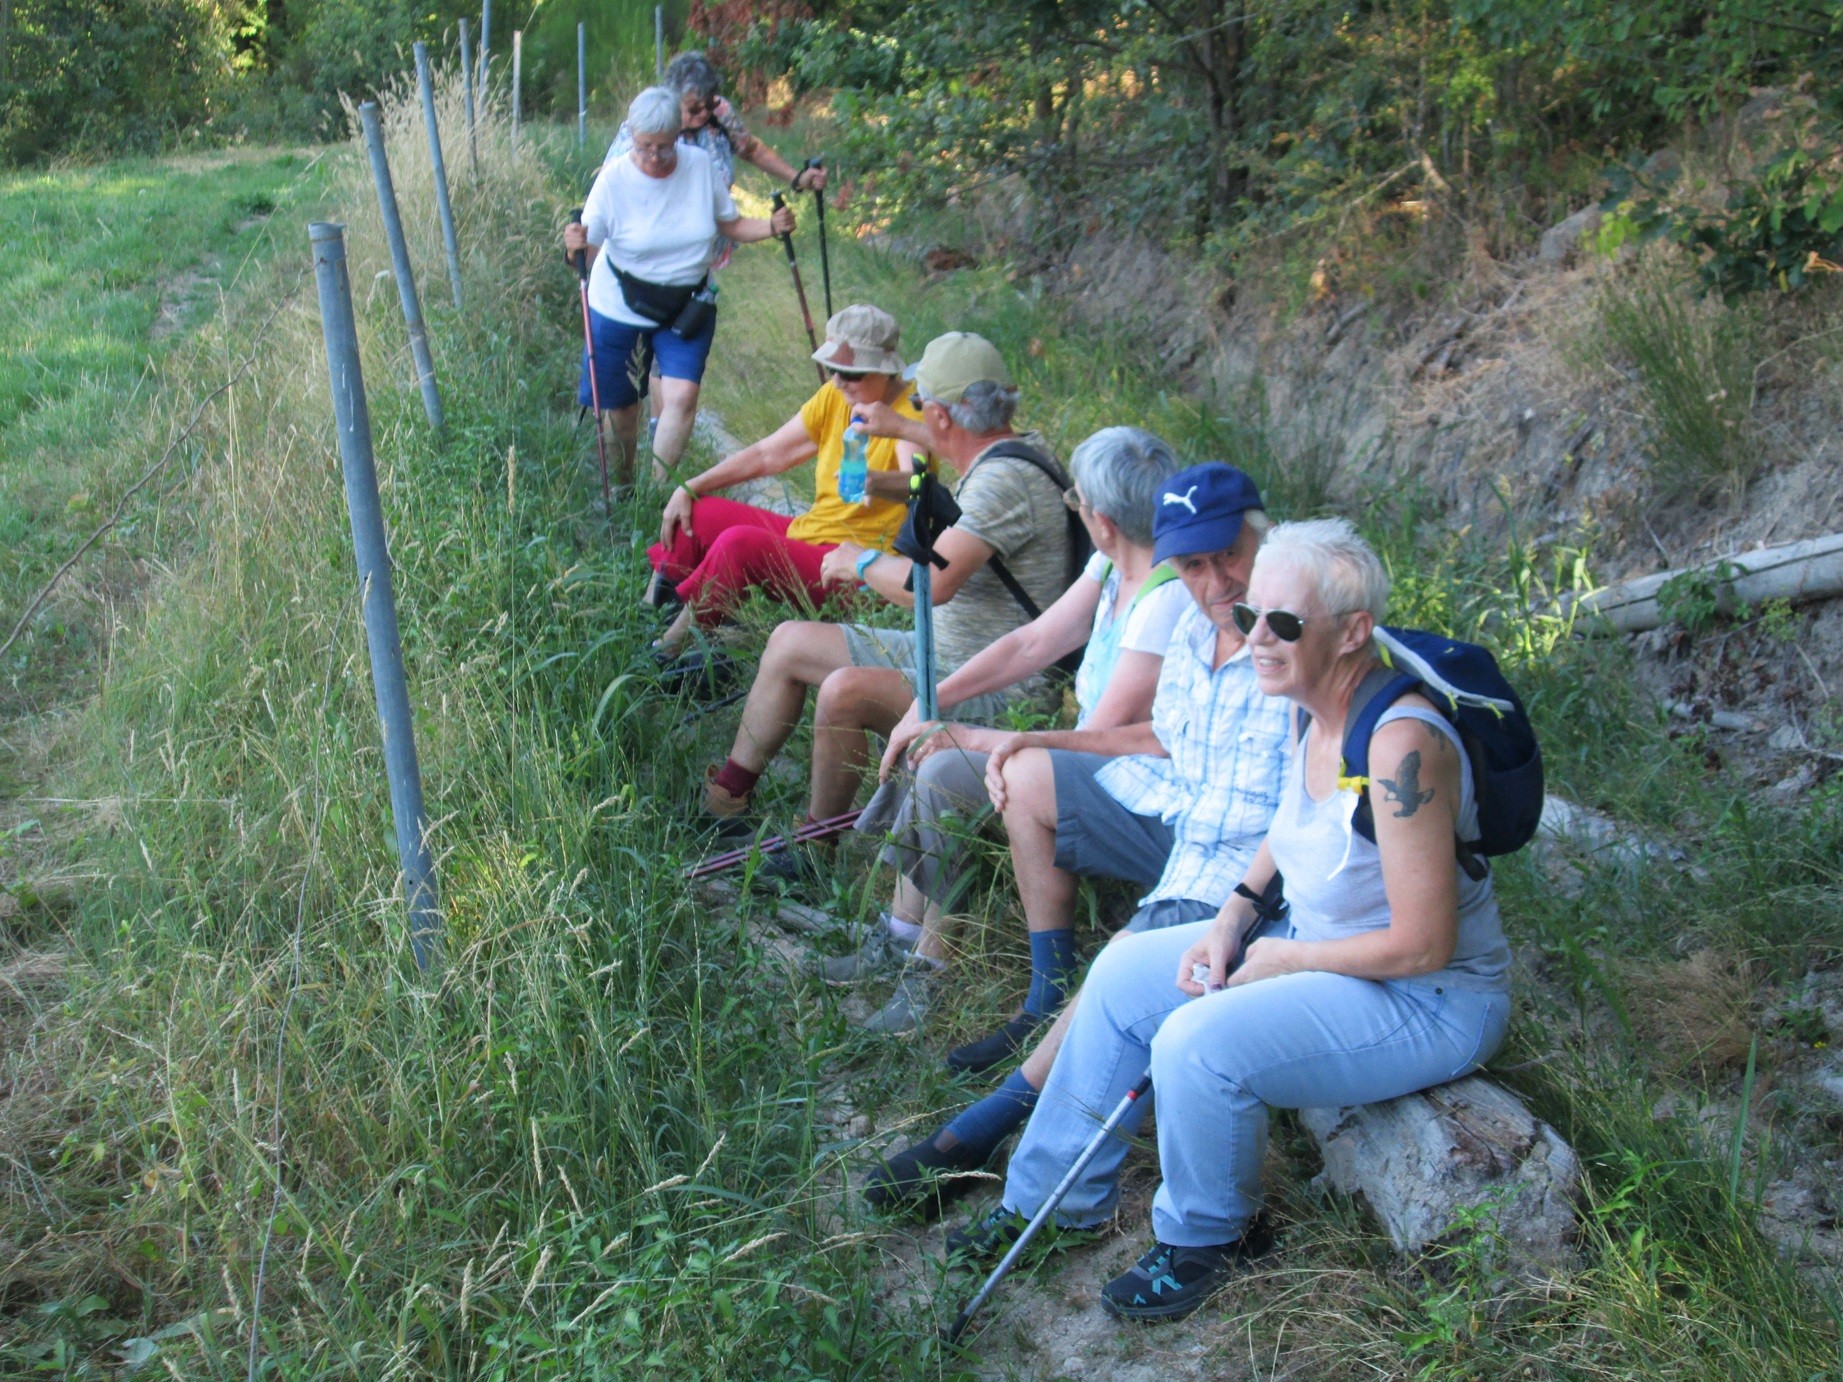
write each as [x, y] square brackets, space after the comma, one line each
[1425, 1162]
[1798, 572]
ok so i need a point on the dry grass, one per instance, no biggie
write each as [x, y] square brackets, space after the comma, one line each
[1692, 1016]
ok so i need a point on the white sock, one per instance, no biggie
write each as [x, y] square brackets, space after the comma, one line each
[905, 931]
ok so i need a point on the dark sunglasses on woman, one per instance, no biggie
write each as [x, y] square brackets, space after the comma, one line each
[1285, 625]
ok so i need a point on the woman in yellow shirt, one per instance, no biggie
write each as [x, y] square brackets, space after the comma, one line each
[712, 550]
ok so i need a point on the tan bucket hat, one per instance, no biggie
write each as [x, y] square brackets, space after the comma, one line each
[862, 339]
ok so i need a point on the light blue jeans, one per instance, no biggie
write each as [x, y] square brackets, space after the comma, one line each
[1218, 1064]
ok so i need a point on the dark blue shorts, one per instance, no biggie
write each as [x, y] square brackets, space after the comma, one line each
[624, 358]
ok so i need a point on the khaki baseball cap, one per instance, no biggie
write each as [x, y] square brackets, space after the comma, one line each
[953, 363]
[862, 339]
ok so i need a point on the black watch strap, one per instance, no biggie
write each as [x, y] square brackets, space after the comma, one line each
[1243, 890]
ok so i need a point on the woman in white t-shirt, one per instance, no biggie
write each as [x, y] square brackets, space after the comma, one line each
[1122, 607]
[651, 227]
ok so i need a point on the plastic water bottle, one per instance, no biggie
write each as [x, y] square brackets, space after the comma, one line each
[854, 465]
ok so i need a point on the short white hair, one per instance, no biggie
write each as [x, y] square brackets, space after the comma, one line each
[1345, 572]
[655, 111]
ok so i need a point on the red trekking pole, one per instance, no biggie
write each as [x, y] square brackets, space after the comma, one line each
[581, 264]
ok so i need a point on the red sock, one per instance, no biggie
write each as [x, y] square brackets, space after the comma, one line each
[735, 779]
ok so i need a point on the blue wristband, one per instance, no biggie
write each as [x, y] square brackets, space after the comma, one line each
[865, 558]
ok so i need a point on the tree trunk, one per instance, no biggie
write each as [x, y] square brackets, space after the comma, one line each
[1428, 1163]
[1798, 572]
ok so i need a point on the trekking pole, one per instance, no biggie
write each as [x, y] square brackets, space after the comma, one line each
[953, 1332]
[581, 265]
[923, 588]
[810, 833]
[825, 258]
[806, 313]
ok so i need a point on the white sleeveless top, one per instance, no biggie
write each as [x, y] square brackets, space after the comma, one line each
[1334, 876]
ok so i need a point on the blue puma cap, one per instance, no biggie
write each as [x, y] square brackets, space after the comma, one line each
[1199, 510]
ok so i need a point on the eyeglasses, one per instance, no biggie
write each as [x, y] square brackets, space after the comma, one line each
[846, 375]
[1072, 500]
[656, 153]
[1284, 624]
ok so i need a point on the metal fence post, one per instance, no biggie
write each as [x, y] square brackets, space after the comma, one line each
[582, 85]
[486, 25]
[440, 168]
[518, 48]
[400, 263]
[659, 43]
[467, 99]
[372, 552]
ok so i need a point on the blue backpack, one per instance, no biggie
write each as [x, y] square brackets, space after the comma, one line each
[1464, 683]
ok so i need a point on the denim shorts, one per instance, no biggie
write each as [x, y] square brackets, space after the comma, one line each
[624, 357]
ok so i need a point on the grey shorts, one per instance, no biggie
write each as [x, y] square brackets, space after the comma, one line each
[1096, 837]
[874, 647]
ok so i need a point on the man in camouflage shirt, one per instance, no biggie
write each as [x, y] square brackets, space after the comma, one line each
[1011, 508]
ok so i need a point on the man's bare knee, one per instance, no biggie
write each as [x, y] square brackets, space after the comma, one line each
[1030, 786]
[804, 650]
[851, 697]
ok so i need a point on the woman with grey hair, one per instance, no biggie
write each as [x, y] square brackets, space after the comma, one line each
[1122, 608]
[1389, 973]
[650, 227]
[711, 123]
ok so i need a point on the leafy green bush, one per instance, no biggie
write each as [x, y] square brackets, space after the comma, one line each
[108, 76]
[1778, 227]
[1221, 123]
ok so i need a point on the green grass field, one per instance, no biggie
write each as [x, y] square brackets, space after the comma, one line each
[605, 1139]
[108, 270]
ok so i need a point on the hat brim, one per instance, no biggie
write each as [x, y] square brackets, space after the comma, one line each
[864, 360]
[1206, 533]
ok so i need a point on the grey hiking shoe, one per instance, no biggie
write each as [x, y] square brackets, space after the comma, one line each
[908, 1006]
[878, 951]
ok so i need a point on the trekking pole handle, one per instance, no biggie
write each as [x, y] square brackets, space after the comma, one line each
[807, 167]
[787, 241]
[580, 260]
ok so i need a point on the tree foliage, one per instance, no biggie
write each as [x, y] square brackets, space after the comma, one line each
[1223, 120]
[107, 75]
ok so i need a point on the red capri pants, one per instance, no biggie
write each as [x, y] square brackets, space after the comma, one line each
[732, 548]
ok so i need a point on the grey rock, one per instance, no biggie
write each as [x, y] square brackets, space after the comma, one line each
[1559, 241]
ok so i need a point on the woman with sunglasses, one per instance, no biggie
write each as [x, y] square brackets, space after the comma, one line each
[650, 226]
[712, 550]
[1389, 973]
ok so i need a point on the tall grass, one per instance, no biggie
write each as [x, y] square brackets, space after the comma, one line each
[1692, 362]
[588, 1145]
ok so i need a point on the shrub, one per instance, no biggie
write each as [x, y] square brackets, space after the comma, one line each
[1690, 361]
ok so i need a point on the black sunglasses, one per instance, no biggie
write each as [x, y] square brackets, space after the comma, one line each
[1286, 626]
[846, 373]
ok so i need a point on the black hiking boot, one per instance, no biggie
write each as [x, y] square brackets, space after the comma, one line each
[922, 1178]
[1168, 1282]
[979, 1056]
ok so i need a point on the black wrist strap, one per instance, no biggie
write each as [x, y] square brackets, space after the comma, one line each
[1243, 890]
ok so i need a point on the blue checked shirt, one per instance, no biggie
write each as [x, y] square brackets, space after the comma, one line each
[1221, 784]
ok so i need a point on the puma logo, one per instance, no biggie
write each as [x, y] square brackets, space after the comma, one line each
[1183, 499]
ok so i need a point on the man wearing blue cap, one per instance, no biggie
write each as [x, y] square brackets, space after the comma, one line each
[1179, 804]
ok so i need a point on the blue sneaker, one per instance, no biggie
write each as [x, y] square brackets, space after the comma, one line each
[1169, 1283]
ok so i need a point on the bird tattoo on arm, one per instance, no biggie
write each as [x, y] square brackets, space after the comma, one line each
[1405, 789]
